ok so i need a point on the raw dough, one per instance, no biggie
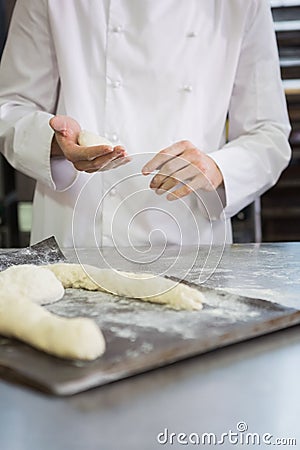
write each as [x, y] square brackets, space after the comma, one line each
[88, 139]
[21, 287]
[33, 282]
[143, 286]
[77, 338]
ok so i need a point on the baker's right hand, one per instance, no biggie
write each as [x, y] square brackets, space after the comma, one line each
[88, 159]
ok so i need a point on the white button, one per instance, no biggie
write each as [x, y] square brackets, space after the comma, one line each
[106, 240]
[192, 34]
[117, 29]
[113, 137]
[116, 84]
[188, 88]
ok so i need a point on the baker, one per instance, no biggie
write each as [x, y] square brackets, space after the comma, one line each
[157, 79]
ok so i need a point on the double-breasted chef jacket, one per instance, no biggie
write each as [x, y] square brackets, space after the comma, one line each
[144, 74]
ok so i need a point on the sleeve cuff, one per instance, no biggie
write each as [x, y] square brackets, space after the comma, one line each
[211, 203]
[34, 147]
[63, 174]
[234, 194]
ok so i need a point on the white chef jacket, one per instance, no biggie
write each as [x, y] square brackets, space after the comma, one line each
[145, 74]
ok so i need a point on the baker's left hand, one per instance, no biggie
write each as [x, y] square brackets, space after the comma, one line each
[183, 163]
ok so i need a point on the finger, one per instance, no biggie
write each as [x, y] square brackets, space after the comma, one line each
[182, 176]
[186, 174]
[119, 148]
[98, 162]
[198, 182]
[91, 153]
[111, 165]
[168, 169]
[76, 153]
[181, 192]
[102, 150]
[165, 155]
[167, 185]
[121, 161]
[115, 163]
[65, 126]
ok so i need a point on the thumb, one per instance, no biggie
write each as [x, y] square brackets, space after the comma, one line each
[65, 126]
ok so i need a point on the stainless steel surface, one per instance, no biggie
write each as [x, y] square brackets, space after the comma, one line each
[256, 382]
[141, 336]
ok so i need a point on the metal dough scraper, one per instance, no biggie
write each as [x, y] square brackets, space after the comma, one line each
[45, 252]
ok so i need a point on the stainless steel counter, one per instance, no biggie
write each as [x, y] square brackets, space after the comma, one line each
[256, 382]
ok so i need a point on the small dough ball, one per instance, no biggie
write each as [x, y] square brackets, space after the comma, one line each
[36, 283]
[88, 139]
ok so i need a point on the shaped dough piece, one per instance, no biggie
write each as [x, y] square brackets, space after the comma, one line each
[143, 286]
[21, 287]
[33, 282]
[88, 139]
[77, 338]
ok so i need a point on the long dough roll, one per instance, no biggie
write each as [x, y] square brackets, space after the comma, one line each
[143, 286]
[72, 338]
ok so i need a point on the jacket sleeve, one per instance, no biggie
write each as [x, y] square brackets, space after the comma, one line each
[258, 149]
[29, 86]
